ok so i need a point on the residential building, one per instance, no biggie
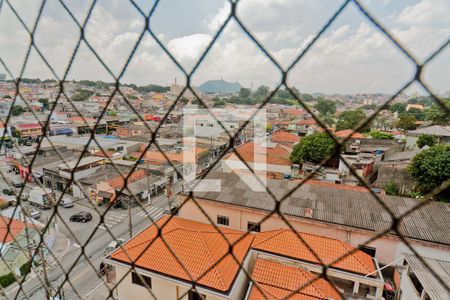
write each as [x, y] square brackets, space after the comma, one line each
[29, 130]
[278, 260]
[442, 133]
[347, 213]
[419, 283]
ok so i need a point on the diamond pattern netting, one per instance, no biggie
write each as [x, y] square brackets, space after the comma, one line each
[64, 272]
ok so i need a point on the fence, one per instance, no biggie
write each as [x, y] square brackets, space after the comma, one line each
[55, 288]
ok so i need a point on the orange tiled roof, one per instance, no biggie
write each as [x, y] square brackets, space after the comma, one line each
[310, 121]
[277, 155]
[285, 137]
[295, 112]
[278, 280]
[286, 243]
[344, 187]
[347, 132]
[119, 181]
[15, 228]
[197, 245]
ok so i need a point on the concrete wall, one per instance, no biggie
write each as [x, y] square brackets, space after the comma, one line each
[388, 248]
[170, 290]
[396, 173]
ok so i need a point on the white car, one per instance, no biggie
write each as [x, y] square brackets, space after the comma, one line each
[35, 214]
[113, 246]
[66, 202]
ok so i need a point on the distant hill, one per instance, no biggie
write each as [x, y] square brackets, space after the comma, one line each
[220, 86]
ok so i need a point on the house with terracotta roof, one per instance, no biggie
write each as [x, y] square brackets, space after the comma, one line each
[343, 134]
[174, 252]
[348, 213]
[270, 156]
[284, 138]
[14, 238]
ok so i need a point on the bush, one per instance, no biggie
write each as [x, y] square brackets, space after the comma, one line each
[392, 189]
[25, 268]
[376, 134]
[425, 139]
[7, 279]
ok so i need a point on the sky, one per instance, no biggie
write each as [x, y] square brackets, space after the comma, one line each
[352, 56]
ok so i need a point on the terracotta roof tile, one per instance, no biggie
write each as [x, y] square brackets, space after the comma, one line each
[286, 243]
[348, 132]
[9, 233]
[119, 181]
[197, 245]
[310, 121]
[278, 280]
[284, 137]
[277, 155]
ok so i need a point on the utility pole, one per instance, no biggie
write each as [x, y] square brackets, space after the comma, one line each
[148, 184]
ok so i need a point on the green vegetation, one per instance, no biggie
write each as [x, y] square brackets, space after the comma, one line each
[25, 268]
[219, 103]
[376, 134]
[44, 102]
[430, 168]
[392, 189]
[7, 279]
[437, 115]
[350, 119]
[17, 110]
[325, 107]
[398, 107]
[82, 95]
[312, 148]
[244, 93]
[425, 139]
[406, 121]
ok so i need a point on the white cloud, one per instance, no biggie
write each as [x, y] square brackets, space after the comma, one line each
[190, 46]
[352, 56]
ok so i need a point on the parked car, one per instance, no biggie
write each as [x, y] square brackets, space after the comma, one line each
[24, 196]
[66, 202]
[17, 183]
[35, 214]
[113, 246]
[8, 191]
[82, 216]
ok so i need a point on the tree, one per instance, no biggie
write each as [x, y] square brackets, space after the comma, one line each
[406, 122]
[312, 148]
[219, 103]
[430, 168]
[349, 119]
[437, 114]
[417, 113]
[17, 110]
[376, 134]
[262, 91]
[269, 128]
[82, 95]
[426, 139]
[306, 97]
[398, 107]
[244, 93]
[325, 107]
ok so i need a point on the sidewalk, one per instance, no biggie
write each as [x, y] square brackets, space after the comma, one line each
[60, 246]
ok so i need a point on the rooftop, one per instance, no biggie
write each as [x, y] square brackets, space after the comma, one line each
[337, 206]
[286, 243]
[434, 289]
[436, 130]
[277, 281]
[198, 246]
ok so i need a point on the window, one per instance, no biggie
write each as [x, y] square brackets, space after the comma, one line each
[223, 220]
[193, 295]
[136, 280]
[251, 226]
[369, 250]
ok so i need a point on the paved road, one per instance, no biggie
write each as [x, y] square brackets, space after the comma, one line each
[83, 276]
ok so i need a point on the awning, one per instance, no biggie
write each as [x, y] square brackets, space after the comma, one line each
[61, 131]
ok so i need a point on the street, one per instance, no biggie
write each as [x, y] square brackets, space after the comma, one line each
[82, 269]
